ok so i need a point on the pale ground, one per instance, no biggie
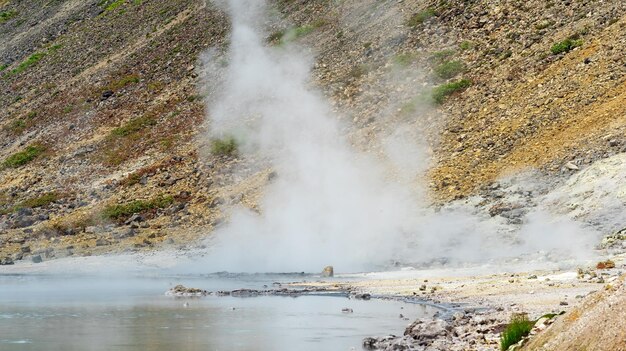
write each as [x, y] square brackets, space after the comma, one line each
[477, 288]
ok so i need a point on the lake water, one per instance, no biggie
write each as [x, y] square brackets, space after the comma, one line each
[52, 312]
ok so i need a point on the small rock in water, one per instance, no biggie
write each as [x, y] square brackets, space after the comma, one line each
[186, 304]
[328, 271]
[347, 310]
[182, 291]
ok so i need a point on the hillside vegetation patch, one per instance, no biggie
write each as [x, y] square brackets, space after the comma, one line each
[518, 328]
[449, 69]
[120, 211]
[7, 15]
[441, 93]
[224, 147]
[566, 45]
[421, 17]
[23, 157]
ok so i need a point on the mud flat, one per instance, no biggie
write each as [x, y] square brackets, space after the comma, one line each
[482, 304]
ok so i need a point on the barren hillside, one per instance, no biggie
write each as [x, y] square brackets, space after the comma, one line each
[102, 118]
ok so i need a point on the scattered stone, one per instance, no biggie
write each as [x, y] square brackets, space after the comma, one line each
[182, 291]
[346, 310]
[608, 264]
[328, 271]
[37, 259]
[6, 261]
[571, 166]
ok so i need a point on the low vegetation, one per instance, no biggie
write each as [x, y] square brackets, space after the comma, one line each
[421, 17]
[440, 56]
[41, 201]
[122, 82]
[35, 202]
[23, 157]
[115, 212]
[449, 69]
[518, 328]
[133, 126]
[404, 59]
[566, 45]
[224, 147]
[441, 92]
[30, 61]
[7, 15]
[284, 36]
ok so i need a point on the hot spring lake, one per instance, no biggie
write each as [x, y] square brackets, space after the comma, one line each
[54, 312]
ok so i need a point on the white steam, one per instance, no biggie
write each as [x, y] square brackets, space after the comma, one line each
[330, 205]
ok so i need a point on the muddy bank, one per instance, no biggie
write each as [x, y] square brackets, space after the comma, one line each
[482, 304]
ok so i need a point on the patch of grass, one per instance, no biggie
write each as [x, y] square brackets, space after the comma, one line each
[3, 67]
[23, 157]
[404, 59]
[122, 82]
[41, 201]
[441, 93]
[17, 126]
[133, 126]
[110, 5]
[565, 45]
[7, 15]
[518, 328]
[30, 61]
[466, 45]
[440, 56]
[115, 212]
[449, 69]
[421, 17]
[296, 33]
[224, 147]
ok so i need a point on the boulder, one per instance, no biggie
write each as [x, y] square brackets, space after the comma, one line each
[328, 271]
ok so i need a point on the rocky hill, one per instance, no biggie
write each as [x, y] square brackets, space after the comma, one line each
[102, 125]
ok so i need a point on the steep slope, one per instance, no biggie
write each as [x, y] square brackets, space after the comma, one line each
[102, 113]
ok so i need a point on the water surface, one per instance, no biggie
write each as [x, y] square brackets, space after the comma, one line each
[87, 313]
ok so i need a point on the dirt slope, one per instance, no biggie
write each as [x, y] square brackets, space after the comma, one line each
[102, 107]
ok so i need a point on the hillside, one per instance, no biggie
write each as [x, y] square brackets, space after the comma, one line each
[102, 124]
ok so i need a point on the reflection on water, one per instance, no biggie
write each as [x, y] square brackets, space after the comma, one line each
[67, 313]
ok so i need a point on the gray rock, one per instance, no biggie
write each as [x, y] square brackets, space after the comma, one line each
[328, 271]
[37, 259]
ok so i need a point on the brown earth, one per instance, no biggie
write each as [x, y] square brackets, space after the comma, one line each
[113, 95]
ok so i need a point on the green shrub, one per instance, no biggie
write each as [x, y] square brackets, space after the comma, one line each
[404, 59]
[41, 201]
[137, 206]
[30, 61]
[224, 147]
[23, 157]
[565, 45]
[518, 328]
[449, 69]
[441, 92]
[421, 17]
[122, 82]
[440, 56]
[285, 36]
[3, 67]
[7, 15]
[466, 45]
[133, 126]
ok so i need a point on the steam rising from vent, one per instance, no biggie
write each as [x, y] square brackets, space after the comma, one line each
[329, 205]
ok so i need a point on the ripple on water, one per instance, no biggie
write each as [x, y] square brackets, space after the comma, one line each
[4, 341]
